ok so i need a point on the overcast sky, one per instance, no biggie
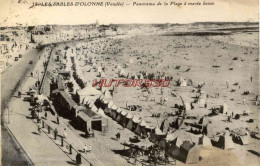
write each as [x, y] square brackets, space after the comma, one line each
[12, 12]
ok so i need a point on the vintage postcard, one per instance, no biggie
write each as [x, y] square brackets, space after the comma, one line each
[129, 82]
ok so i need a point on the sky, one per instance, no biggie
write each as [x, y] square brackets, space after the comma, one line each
[13, 13]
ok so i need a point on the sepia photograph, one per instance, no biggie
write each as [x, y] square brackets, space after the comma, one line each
[107, 83]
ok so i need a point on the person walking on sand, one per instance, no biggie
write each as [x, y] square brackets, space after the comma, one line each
[40, 115]
[65, 133]
[46, 115]
[58, 119]
[251, 78]
[55, 133]
[85, 149]
[227, 83]
[39, 129]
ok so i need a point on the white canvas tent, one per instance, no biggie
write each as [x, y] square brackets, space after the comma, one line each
[88, 91]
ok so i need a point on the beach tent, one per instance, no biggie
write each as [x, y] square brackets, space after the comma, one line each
[141, 77]
[224, 108]
[129, 117]
[41, 99]
[204, 121]
[182, 82]
[120, 115]
[106, 97]
[178, 142]
[99, 69]
[225, 141]
[101, 112]
[201, 101]
[85, 101]
[170, 136]
[118, 111]
[123, 116]
[205, 141]
[108, 107]
[203, 94]
[193, 155]
[187, 106]
[140, 128]
[130, 124]
[113, 111]
[165, 125]
[157, 134]
[136, 77]
[94, 108]
[88, 91]
[144, 143]
[102, 75]
[240, 136]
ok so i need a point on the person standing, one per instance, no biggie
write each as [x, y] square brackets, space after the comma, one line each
[227, 83]
[78, 158]
[46, 115]
[58, 120]
[85, 149]
[19, 94]
[39, 129]
[40, 115]
[65, 133]
[205, 105]
[55, 133]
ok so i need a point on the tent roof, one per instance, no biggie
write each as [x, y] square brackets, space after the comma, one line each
[119, 110]
[91, 104]
[124, 112]
[129, 115]
[170, 136]
[143, 123]
[91, 114]
[114, 107]
[193, 155]
[89, 91]
[94, 108]
[79, 108]
[240, 131]
[110, 104]
[85, 100]
[107, 97]
[205, 141]
[84, 116]
[41, 98]
[158, 131]
[136, 119]
[178, 142]
[146, 142]
[68, 98]
[100, 111]
[204, 121]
